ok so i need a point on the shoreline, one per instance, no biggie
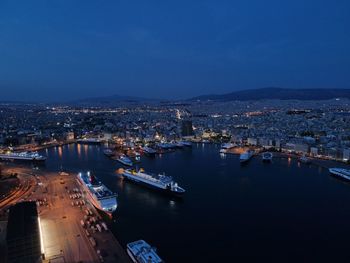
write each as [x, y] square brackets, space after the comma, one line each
[324, 163]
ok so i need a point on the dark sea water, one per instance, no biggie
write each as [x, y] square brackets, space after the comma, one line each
[278, 212]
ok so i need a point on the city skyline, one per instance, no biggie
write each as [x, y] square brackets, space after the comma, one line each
[62, 51]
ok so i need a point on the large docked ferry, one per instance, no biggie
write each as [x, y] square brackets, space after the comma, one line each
[97, 193]
[141, 252]
[160, 182]
[340, 172]
[246, 156]
[23, 156]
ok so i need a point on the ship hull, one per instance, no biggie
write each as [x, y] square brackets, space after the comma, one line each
[8, 158]
[245, 157]
[340, 175]
[153, 187]
[131, 256]
[96, 203]
[124, 163]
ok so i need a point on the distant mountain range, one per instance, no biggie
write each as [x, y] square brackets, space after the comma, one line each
[110, 100]
[241, 95]
[278, 93]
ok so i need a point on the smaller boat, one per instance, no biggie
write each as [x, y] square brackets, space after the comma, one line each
[186, 143]
[304, 159]
[340, 172]
[108, 152]
[125, 160]
[149, 151]
[141, 252]
[246, 156]
[227, 145]
[223, 150]
[267, 157]
[90, 140]
[179, 145]
[166, 145]
[137, 157]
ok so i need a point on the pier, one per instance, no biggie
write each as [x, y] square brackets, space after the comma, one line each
[64, 237]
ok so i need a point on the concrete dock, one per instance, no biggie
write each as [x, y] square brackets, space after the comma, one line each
[68, 233]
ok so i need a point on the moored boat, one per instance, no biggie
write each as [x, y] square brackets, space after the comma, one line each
[157, 181]
[90, 141]
[141, 252]
[97, 193]
[223, 150]
[108, 152]
[246, 156]
[267, 157]
[149, 151]
[227, 145]
[340, 172]
[125, 160]
[186, 143]
[23, 156]
[304, 159]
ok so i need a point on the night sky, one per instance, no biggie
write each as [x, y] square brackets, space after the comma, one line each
[62, 50]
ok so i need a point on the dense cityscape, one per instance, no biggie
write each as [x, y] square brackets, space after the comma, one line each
[319, 129]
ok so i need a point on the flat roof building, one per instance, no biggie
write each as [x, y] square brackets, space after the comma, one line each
[23, 234]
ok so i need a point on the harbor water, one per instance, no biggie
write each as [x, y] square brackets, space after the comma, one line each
[281, 211]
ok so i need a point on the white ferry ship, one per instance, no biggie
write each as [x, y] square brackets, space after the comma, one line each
[340, 172]
[97, 193]
[125, 160]
[141, 252]
[246, 156]
[23, 156]
[160, 182]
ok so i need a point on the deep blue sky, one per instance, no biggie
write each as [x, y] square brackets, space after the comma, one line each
[66, 49]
